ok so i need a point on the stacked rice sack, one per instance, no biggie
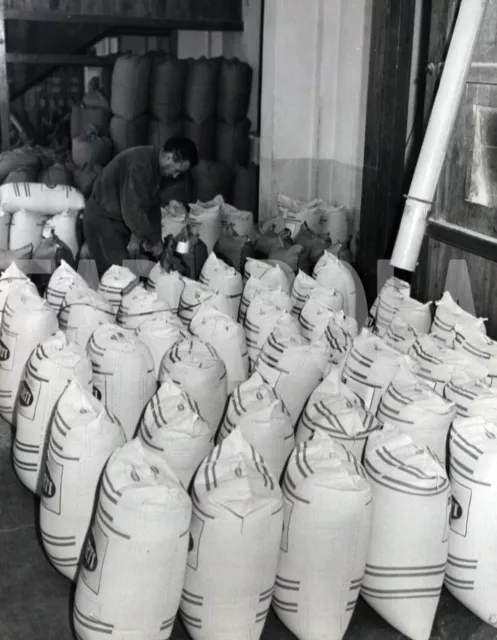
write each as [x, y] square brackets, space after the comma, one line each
[324, 219]
[30, 213]
[469, 576]
[21, 165]
[276, 373]
[163, 361]
[394, 302]
[405, 565]
[324, 545]
[36, 164]
[140, 343]
[157, 96]
[314, 226]
[194, 358]
[78, 167]
[233, 101]
[220, 226]
[416, 376]
[248, 406]
[165, 99]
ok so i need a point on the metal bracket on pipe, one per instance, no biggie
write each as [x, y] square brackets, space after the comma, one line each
[409, 197]
[434, 68]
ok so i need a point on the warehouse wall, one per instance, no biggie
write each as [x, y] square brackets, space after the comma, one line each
[314, 90]
[195, 44]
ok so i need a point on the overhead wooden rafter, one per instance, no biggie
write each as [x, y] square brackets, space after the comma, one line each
[203, 15]
[58, 59]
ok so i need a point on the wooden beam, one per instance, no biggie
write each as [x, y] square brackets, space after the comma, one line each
[482, 73]
[59, 59]
[121, 21]
[139, 31]
[38, 78]
[152, 9]
[386, 132]
[4, 86]
[462, 238]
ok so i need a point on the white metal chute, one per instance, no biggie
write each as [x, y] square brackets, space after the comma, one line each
[431, 158]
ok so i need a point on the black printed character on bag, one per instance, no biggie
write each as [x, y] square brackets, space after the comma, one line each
[48, 488]
[26, 396]
[456, 510]
[90, 557]
[4, 352]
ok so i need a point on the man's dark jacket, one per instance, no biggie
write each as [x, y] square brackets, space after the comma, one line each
[128, 191]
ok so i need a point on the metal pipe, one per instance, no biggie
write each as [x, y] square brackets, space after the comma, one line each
[431, 158]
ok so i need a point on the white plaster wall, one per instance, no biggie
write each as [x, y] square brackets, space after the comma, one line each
[314, 92]
[289, 122]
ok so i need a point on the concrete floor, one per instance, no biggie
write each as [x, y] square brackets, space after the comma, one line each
[35, 599]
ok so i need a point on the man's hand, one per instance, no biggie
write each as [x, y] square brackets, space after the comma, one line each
[154, 248]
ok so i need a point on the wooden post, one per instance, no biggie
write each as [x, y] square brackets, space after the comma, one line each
[440, 24]
[385, 139]
[4, 85]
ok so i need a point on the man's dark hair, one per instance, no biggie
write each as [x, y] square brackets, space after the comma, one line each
[183, 148]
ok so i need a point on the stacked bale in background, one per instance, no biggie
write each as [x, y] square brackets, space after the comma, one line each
[153, 98]
[165, 99]
[57, 173]
[36, 164]
[129, 101]
[93, 112]
[210, 179]
[165, 107]
[85, 178]
[19, 165]
[180, 190]
[245, 196]
[200, 105]
[217, 97]
[233, 100]
[92, 148]
[28, 173]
